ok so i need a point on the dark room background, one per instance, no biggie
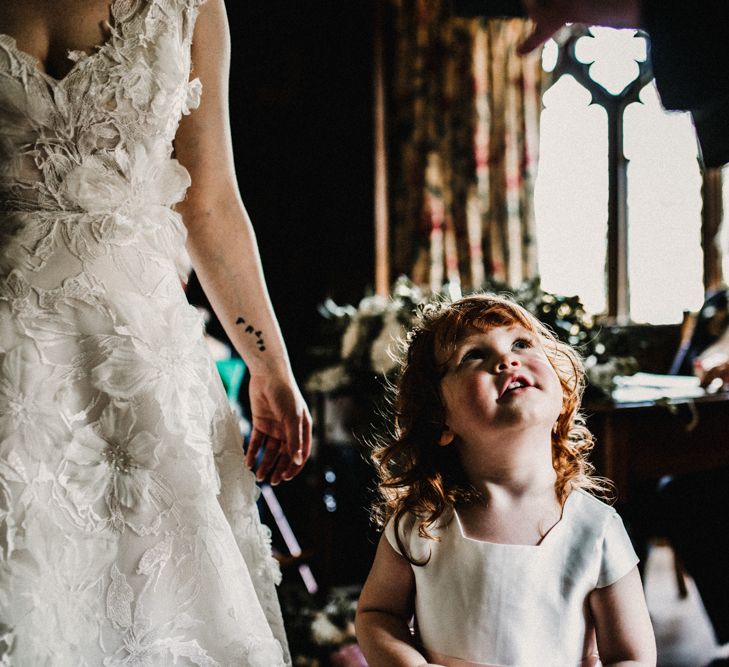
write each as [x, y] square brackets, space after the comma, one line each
[301, 114]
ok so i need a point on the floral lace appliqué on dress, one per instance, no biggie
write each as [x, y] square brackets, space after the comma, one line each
[129, 533]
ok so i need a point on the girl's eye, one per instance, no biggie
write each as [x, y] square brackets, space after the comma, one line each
[473, 353]
[522, 344]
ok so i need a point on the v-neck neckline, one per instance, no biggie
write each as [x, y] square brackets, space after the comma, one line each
[35, 63]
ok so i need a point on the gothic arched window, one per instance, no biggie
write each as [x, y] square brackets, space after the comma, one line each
[619, 189]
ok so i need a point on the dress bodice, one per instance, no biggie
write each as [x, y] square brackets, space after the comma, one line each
[511, 604]
[90, 154]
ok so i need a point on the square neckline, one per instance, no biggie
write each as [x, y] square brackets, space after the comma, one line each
[510, 545]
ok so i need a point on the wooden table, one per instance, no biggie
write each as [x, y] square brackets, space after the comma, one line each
[642, 441]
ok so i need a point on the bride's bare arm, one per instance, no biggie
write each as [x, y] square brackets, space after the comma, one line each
[222, 245]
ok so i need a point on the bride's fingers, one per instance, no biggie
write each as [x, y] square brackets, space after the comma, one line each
[292, 470]
[294, 437]
[281, 472]
[254, 446]
[270, 427]
[299, 440]
[270, 455]
[295, 468]
[288, 466]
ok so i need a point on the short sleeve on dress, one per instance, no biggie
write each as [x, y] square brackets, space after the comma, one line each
[417, 547]
[618, 555]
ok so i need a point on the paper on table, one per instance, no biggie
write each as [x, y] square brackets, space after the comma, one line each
[652, 387]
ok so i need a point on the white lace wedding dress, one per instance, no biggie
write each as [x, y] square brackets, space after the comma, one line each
[128, 528]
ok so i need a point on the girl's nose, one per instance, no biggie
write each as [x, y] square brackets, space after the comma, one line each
[507, 362]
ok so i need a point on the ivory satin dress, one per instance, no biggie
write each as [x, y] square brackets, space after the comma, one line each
[482, 604]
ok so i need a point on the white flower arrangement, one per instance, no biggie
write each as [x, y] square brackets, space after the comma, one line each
[365, 339]
[324, 632]
[370, 335]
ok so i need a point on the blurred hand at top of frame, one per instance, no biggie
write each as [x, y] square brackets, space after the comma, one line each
[549, 16]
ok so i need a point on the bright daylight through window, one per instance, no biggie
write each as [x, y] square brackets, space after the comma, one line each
[663, 187]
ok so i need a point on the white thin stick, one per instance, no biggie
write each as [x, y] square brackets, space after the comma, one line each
[292, 544]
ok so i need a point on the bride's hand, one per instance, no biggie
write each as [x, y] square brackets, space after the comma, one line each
[281, 427]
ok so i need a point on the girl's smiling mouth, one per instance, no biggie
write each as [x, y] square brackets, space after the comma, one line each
[514, 383]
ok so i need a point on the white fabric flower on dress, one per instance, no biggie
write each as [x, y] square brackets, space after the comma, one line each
[110, 469]
[17, 313]
[138, 84]
[12, 476]
[15, 290]
[28, 409]
[258, 652]
[169, 72]
[148, 176]
[161, 353]
[54, 572]
[7, 639]
[147, 644]
[192, 99]
[129, 196]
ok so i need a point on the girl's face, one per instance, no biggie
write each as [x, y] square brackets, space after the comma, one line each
[497, 380]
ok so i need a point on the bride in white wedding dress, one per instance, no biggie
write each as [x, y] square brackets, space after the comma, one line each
[128, 528]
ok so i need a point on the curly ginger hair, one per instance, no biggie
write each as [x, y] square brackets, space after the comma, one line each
[419, 477]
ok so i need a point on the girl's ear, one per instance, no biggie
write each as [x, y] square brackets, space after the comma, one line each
[446, 438]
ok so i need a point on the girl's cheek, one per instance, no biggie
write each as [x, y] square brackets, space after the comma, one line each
[479, 389]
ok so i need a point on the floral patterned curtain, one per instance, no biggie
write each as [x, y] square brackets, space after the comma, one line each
[464, 110]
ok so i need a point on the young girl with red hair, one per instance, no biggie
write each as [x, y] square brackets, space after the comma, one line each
[494, 540]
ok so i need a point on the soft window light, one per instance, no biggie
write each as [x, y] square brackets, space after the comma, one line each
[664, 188]
[571, 194]
[664, 212]
[613, 56]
